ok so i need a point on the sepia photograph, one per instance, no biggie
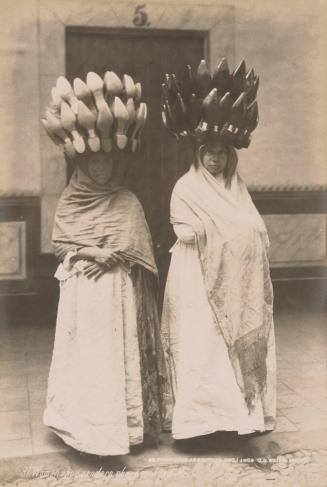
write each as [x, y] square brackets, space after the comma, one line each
[163, 243]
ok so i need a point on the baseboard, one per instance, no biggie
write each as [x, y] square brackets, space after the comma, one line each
[302, 288]
[300, 295]
[290, 202]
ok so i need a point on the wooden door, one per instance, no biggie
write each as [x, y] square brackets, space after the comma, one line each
[146, 56]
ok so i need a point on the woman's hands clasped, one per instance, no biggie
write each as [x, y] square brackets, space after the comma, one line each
[101, 260]
[107, 257]
[92, 270]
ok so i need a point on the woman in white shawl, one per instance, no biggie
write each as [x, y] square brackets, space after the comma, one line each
[217, 321]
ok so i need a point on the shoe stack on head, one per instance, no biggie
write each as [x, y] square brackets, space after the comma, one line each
[220, 106]
[98, 114]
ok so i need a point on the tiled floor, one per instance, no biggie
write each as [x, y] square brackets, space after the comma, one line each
[25, 355]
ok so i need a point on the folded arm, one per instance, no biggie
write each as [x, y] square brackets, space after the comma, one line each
[184, 232]
[100, 260]
[102, 256]
[62, 249]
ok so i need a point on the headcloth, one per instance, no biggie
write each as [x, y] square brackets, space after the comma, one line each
[89, 214]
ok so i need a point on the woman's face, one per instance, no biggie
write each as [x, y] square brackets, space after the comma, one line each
[99, 167]
[214, 158]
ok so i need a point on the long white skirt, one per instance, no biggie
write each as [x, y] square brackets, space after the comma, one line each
[206, 395]
[94, 400]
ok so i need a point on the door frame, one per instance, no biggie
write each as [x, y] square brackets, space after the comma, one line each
[85, 29]
[132, 32]
[194, 48]
[216, 21]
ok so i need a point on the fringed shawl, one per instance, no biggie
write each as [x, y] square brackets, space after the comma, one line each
[232, 243]
[156, 386]
[105, 216]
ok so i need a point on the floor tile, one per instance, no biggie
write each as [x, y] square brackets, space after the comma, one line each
[305, 382]
[17, 382]
[16, 448]
[12, 367]
[296, 383]
[283, 364]
[36, 417]
[41, 435]
[37, 397]
[284, 425]
[303, 413]
[35, 381]
[282, 388]
[316, 399]
[47, 442]
[13, 333]
[313, 393]
[318, 381]
[288, 374]
[291, 400]
[312, 424]
[38, 368]
[41, 337]
[14, 425]
[38, 359]
[26, 355]
[320, 367]
[297, 359]
[318, 370]
[11, 352]
[43, 345]
[37, 355]
[41, 374]
[14, 399]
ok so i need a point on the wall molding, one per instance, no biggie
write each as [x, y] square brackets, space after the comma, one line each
[318, 272]
[23, 209]
[286, 187]
[300, 294]
[12, 193]
[290, 201]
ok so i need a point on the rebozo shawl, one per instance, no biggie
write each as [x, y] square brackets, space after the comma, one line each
[232, 243]
[89, 214]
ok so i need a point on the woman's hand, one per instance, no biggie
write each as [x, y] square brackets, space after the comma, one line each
[85, 253]
[102, 256]
[185, 233]
[108, 257]
[94, 270]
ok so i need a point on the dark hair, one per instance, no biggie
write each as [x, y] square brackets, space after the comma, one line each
[231, 165]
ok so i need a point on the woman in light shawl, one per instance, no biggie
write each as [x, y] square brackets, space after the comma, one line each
[107, 367]
[217, 321]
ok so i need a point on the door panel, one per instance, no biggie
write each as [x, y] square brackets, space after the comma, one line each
[146, 56]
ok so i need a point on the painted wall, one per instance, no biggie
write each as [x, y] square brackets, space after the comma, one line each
[19, 97]
[286, 43]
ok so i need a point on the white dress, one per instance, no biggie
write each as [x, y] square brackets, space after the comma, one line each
[94, 400]
[207, 397]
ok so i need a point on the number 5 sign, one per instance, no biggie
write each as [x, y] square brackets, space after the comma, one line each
[140, 18]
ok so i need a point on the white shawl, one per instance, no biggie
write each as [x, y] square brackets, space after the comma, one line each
[232, 243]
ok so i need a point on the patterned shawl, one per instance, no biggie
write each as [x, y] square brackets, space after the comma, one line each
[232, 243]
[89, 214]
